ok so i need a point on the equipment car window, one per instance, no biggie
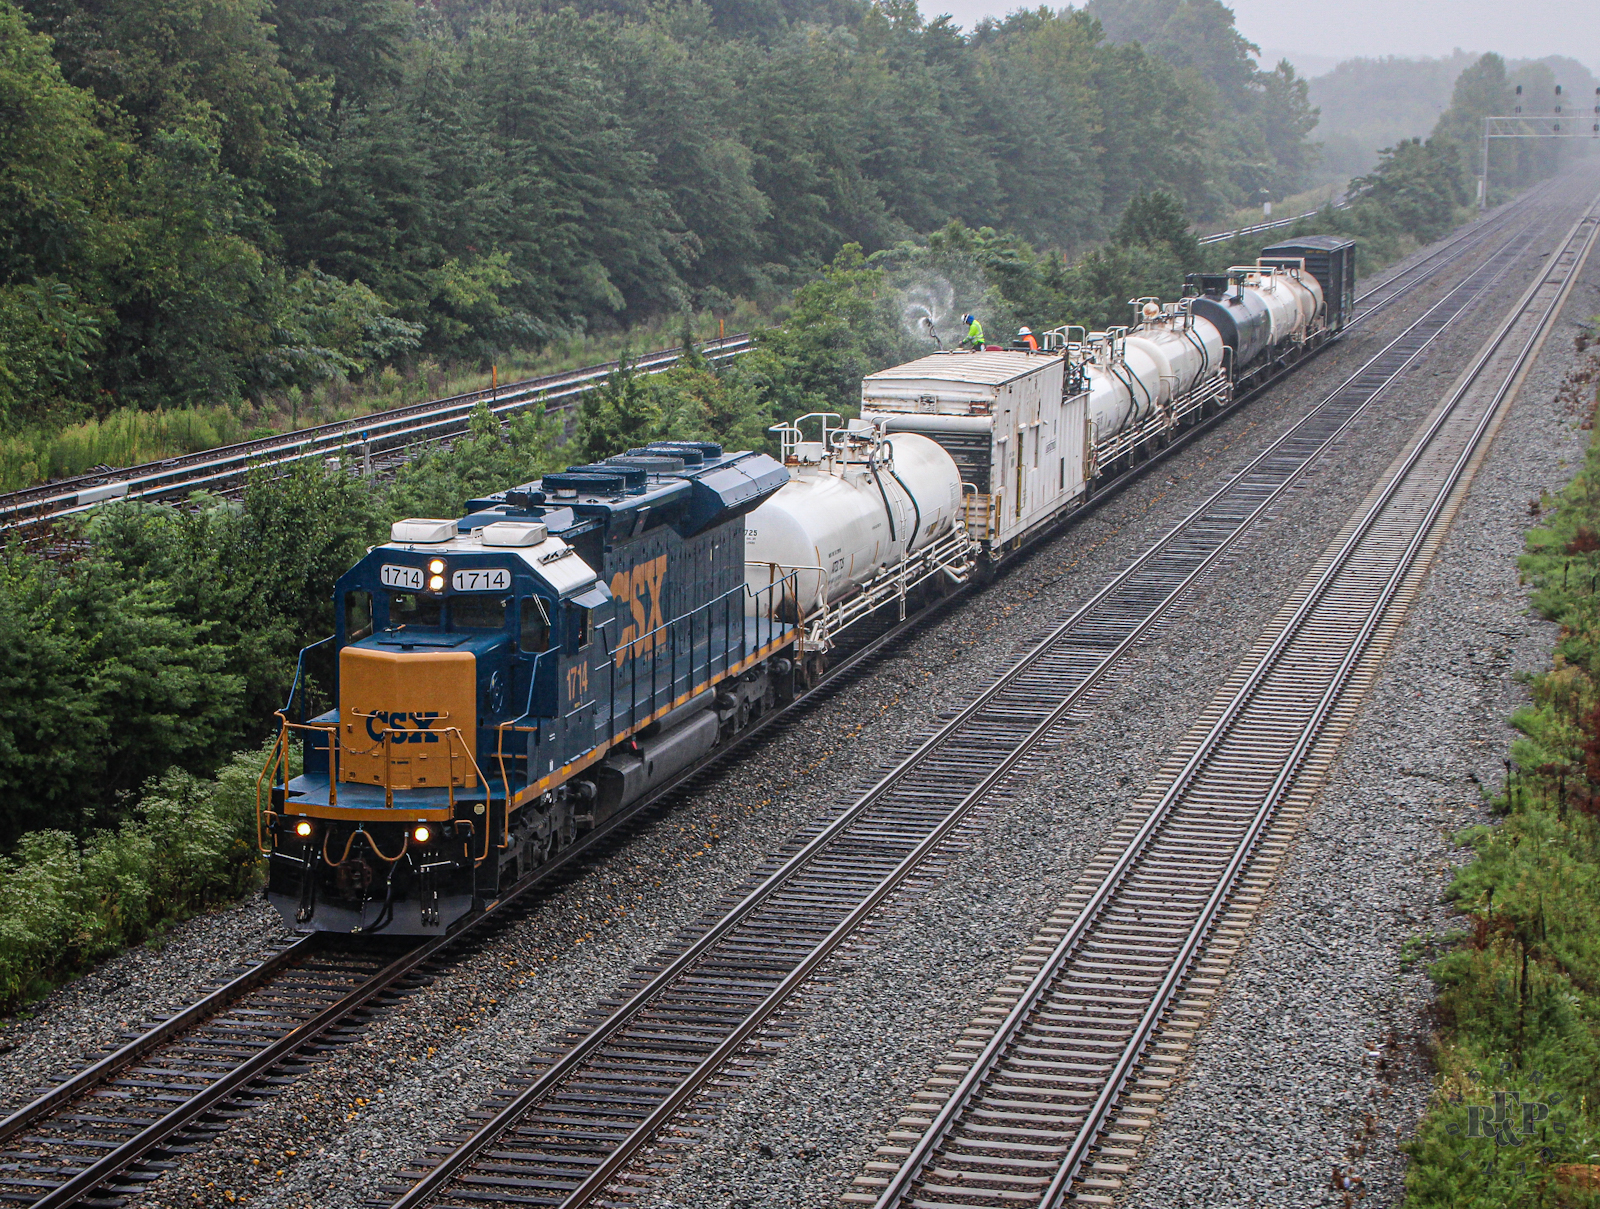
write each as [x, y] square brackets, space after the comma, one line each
[407, 608]
[357, 615]
[534, 634]
[478, 612]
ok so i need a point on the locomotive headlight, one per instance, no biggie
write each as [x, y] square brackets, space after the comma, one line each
[422, 835]
[436, 566]
[303, 829]
[436, 583]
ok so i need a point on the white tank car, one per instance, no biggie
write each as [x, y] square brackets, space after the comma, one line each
[1125, 384]
[1291, 303]
[1309, 291]
[1186, 350]
[856, 503]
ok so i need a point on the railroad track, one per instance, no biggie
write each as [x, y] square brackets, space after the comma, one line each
[571, 1135]
[116, 1126]
[380, 436]
[383, 438]
[1063, 1067]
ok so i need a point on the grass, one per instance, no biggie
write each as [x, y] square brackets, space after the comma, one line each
[1299, 203]
[127, 438]
[1515, 1115]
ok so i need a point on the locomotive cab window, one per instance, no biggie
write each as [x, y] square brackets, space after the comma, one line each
[357, 615]
[579, 624]
[407, 608]
[533, 634]
[478, 612]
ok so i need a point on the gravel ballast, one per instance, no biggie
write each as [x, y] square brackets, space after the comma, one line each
[1297, 1082]
[868, 1032]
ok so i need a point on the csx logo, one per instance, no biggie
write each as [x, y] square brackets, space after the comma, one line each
[641, 589]
[403, 727]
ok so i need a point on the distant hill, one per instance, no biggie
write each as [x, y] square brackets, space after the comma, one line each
[1368, 104]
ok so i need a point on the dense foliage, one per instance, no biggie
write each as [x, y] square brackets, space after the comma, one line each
[65, 905]
[1365, 105]
[204, 200]
[1520, 993]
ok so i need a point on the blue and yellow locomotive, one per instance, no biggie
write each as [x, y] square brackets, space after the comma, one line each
[514, 678]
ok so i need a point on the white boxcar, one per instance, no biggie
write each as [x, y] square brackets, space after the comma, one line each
[1002, 416]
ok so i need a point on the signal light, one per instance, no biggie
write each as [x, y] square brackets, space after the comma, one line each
[422, 835]
[303, 829]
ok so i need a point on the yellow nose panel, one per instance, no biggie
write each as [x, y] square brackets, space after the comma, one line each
[407, 719]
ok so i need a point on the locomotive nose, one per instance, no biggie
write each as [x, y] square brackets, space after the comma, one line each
[407, 718]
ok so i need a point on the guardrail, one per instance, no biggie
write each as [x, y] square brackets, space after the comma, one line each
[380, 434]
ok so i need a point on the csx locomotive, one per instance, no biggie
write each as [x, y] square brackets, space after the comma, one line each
[513, 678]
[510, 678]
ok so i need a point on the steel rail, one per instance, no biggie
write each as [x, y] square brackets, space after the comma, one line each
[383, 432]
[1010, 1030]
[219, 1091]
[85, 1082]
[1450, 252]
[98, 1072]
[685, 1087]
[400, 429]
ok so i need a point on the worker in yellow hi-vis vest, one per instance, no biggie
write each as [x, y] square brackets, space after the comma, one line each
[974, 332]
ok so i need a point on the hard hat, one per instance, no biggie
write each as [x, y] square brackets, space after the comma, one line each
[1022, 331]
[967, 319]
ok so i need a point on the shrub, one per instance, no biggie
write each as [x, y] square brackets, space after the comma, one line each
[63, 906]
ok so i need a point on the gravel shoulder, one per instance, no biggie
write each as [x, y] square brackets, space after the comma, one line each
[1297, 1080]
[868, 1031]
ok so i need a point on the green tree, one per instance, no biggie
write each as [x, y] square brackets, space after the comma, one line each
[622, 413]
[1157, 220]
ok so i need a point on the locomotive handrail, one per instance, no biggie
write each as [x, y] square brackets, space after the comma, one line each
[278, 748]
[512, 725]
[299, 667]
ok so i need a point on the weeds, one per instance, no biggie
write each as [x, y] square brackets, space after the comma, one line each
[1513, 1120]
[129, 437]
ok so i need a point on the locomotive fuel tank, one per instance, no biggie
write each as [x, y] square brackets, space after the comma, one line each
[856, 502]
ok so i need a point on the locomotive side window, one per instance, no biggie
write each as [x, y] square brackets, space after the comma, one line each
[357, 615]
[478, 612]
[534, 633]
[407, 608]
[578, 623]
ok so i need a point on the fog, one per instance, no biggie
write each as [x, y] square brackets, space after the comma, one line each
[1314, 34]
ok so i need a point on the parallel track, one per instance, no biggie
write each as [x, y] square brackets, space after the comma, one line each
[571, 1133]
[379, 437]
[1018, 1127]
[117, 1125]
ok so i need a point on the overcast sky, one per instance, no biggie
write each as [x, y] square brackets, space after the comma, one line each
[1321, 32]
